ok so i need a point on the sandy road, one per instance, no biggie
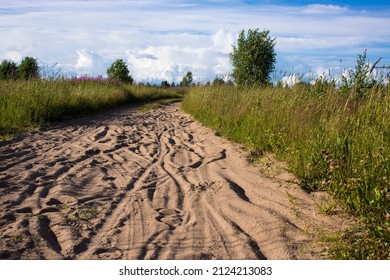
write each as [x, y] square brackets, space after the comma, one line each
[154, 185]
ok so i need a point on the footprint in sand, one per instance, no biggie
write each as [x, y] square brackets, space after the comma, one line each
[171, 217]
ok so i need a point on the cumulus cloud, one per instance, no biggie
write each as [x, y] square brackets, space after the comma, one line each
[14, 55]
[164, 39]
[223, 40]
[171, 63]
[90, 63]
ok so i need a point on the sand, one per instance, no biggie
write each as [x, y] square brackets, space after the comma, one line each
[153, 185]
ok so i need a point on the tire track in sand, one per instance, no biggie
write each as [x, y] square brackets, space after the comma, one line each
[154, 185]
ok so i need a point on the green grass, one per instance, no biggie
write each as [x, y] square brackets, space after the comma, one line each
[330, 140]
[28, 104]
[157, 104]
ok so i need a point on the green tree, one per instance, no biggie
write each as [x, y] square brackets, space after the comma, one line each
[187, 80]
[360, 79]
[165, 84]
[8, 70]
[28, 68]
[119, 70]
[253, 58]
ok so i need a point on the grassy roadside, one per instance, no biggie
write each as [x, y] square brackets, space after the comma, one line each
[27, 104]
[157, 104]
[330, 140]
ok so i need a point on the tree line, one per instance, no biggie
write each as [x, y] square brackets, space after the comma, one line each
[27, 69]
[253, 59]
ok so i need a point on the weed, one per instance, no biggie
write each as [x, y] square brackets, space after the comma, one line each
[291, 198]
[294, 203]
[71, 218]
[65, 207]
[361, 243]
[87, 213]
[326, 207]
[39, 217]
[19, 238]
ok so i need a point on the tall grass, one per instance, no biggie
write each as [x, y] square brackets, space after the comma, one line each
[25, 104]
[332, 142]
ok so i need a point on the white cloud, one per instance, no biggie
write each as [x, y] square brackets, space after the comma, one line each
[14, 55]
[164, 39]
[324, 9]
[90, 63]
[172, 62]
[223, 40]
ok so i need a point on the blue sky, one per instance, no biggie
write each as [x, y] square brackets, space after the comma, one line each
[162, 40]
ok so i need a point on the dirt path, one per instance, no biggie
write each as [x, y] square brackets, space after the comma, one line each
[154, 185]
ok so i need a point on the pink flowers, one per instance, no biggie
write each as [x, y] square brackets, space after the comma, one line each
[100, 79]
[331, 162]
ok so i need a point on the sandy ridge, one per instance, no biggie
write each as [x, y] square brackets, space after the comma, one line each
[154, 185]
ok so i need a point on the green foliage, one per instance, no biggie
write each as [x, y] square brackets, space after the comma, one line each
[187, 80]
[119, 70]
[321, 86]
[253, 58]
[158, 104]
[362, 243]
[28, 68]
[328, 142]
[8, 70]
[165, 84]
[360, 79]
[218, 82]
